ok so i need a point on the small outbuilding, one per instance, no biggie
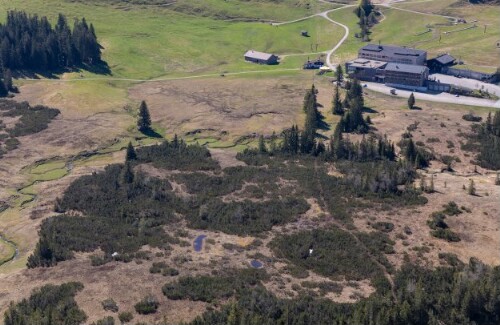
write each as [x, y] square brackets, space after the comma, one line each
[261, 57]
[440, 63]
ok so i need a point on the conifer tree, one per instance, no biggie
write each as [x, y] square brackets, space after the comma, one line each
[131, 154]
[144, 119]
[367, 6]
[411, 101]
[411, 151]
[431, 186]
[128, 173]
[339, 74]
[337, 104]
[422, 183]
[7, 80]
[3, 90]
[262, 144]
[471, 190]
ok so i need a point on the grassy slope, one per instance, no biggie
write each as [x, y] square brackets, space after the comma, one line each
[402, 28]
[152, 42]
[473, 46]
[241, 9]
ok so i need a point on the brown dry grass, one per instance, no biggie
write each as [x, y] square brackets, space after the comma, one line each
[239, 107]
[225, 108]
[479, 229]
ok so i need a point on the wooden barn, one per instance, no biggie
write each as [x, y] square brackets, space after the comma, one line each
[260, 57]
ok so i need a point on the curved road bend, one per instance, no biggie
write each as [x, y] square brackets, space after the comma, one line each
[324, 15]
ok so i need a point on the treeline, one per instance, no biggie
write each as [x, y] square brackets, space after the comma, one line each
[49, 305]
[486, 139]
[30, 42]
[462, 295]
[176, 154]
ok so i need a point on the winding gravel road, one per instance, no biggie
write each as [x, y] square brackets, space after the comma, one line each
[324, 15]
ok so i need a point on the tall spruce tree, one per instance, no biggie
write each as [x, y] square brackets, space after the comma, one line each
[411, 101]
[131, 154]
[144, 119]
[337, 108]
[339, 74]
[262, 144]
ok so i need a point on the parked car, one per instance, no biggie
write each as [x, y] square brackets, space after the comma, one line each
[393, 91]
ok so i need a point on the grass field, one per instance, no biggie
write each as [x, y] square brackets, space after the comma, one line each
[156, 42]
[474, 46]
[407, 29]
[259, 10]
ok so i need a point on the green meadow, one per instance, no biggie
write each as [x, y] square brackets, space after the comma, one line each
[144, 42]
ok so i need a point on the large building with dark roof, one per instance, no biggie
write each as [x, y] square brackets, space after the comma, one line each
[406, 75]
[393, 65]
[391, 53]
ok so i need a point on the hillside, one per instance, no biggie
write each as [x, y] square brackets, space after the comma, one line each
[185, 185]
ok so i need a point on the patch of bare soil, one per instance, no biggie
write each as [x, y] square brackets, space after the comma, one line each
[226, 158]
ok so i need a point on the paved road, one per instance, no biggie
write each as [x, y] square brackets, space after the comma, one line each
[442, 97]
[468, 83]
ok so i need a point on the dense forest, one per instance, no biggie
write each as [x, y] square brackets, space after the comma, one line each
[485, 139]
[29, 42]
[31, 119]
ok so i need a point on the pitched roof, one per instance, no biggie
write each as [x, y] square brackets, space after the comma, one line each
[393, 50]
[445, 59]
[258, 55]
[409, 68]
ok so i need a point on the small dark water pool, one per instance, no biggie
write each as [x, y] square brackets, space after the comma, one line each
[256, 264]
[198, 243]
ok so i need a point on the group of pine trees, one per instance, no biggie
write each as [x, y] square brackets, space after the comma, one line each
[488, 138]
[351, 108]
[413, 154]
[367, 18]
[30, 42]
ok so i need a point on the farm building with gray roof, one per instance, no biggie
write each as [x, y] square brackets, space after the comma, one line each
[260, 57]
